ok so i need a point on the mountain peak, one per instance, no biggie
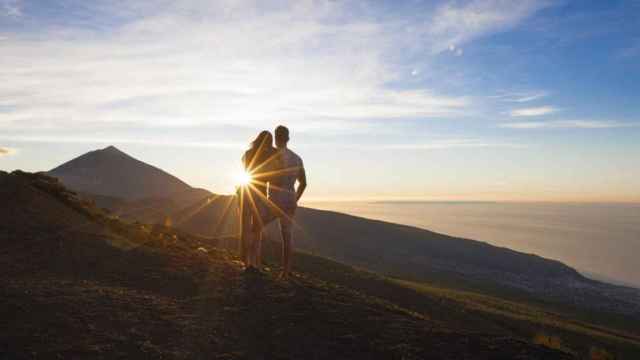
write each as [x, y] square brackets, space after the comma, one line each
[112, 172]
[111, 148]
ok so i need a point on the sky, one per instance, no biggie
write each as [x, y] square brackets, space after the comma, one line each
[532, 100]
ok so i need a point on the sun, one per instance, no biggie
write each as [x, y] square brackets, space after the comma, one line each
[243, 178]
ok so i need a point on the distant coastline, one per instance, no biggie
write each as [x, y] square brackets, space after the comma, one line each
[409, 201]
[452, 202]
[607, 279]
[598, 239]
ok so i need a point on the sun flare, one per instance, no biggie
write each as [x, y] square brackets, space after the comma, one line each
[243, 178]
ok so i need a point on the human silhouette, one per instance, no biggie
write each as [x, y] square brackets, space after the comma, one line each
[284, 195]
[258, 162]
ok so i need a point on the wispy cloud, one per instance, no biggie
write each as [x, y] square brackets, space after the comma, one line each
[568, 124]
[245, 67]
[12, 8]
[521, 97]
[532, 97]
[441, 144]
[247, 64]
[455, 23]
[4, 151]
[453, 144]
[533, 111]
[110, 141]
[630, 52]
[436, 144]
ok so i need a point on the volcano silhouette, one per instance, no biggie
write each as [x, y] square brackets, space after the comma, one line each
[111, 172]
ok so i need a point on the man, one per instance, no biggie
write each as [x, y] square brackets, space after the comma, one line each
[284, 195]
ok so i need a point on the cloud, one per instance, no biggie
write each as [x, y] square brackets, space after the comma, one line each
[456, 50]
[441, 144]
[533, 111]
[630, 52]
[451, 144]
[5, 151]
[531, 97]
[521, 97]
[568, 124]
[122, 140]
[240, 63]
[457, 23]
[246, 67]
[11, 8]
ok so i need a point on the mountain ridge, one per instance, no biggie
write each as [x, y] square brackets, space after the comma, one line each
[101, 172]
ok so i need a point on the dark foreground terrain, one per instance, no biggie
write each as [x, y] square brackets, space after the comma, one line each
[78, 284]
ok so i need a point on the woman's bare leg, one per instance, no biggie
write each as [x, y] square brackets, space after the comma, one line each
[258, 248]
[245, 229]
[249, 248]
[255, 246]
[286, 254]
[245, 241]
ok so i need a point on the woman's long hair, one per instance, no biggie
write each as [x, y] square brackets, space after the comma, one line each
[261, 150]
[264, 140]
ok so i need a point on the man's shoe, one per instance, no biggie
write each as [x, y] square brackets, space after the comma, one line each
[283, 276]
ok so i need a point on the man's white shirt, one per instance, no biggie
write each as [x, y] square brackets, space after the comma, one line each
[283, 192]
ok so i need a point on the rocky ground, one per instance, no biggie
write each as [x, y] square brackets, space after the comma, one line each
[78, 284]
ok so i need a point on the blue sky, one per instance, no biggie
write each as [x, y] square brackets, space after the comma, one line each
[470, 100]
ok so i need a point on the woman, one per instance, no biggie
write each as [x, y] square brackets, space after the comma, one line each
[258, 162]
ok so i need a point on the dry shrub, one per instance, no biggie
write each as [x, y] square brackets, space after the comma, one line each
[549, 341]
[600, 354]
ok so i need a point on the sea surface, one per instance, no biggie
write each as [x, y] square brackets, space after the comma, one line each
[602, 241]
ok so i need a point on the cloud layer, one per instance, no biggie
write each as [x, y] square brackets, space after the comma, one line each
[567, 124]
[521, 97]
[457, 23]
[10, 8]
[241, 63]
[533, 111]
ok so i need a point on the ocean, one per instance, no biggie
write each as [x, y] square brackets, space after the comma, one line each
[602, 241]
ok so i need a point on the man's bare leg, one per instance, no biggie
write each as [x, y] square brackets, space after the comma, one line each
[287, 246]
[245, 231]
[286, 254]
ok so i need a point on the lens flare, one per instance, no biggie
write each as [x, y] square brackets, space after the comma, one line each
[243, 178]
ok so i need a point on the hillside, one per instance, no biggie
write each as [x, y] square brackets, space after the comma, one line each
[151, 210]
[424, 256]
[111, 172]
[474, 312]
[400, 251]
[77, 283]
[213, 216]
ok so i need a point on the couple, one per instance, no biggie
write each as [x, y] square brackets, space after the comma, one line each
[270, 194]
